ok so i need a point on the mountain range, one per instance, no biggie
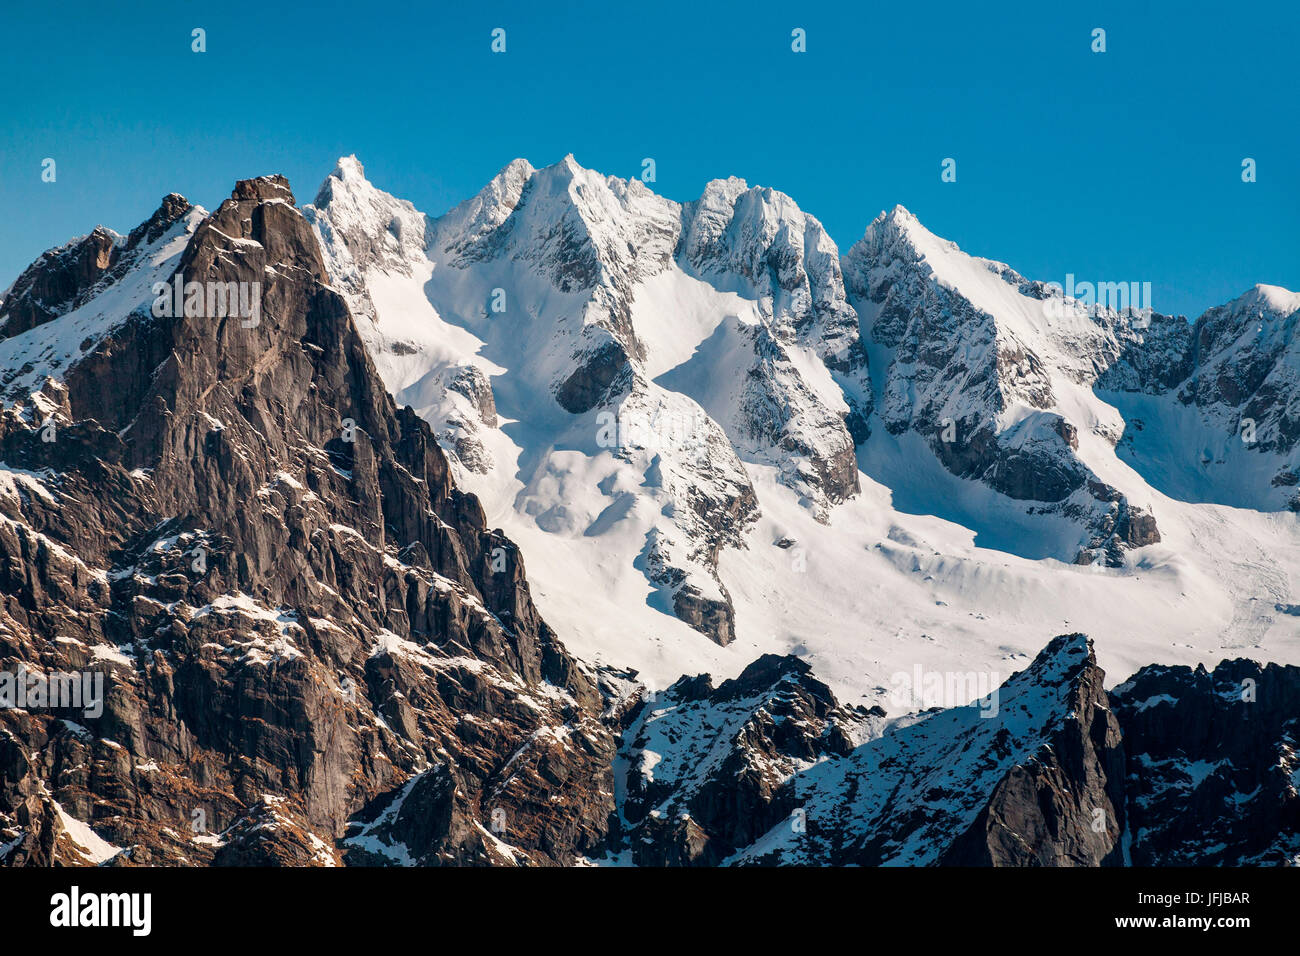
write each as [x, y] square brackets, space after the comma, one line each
[294, 538]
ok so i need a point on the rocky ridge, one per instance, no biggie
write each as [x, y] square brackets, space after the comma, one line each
[1173, 767]
[316, 651]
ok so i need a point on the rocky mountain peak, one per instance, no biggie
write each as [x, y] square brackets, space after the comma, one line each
[722, 193]
[173, 207]
[56, 280]
[299, 604]
[264, 189]
[895, 231]
[758, 233]
[770, 768]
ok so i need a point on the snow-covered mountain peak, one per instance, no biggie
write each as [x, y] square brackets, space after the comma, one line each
[577, 227]
[1253, 327]
[757, 242]
[349, 168]
[898, 228]
[899, 237]
[746, 220]
[726, 190]
[757, 232]
[995, 372]
[899, 219]
[469, 221]
[671, 402]
[1265, 299]
[365, 228]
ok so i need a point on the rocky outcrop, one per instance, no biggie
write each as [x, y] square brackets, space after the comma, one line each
[1211, 763]
[1065, 806]
[295, 610]
[712, 616]
[54, 283]
[1047, 770]
[593, 382]
[691, 803]
[1120, 528]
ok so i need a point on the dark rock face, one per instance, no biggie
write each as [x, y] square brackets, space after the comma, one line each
[1064, 806]
[1040, 468]
[714, 618]
[769, 769]
[778, 718]
[1212, 768]
[296, 611]
[591, 383]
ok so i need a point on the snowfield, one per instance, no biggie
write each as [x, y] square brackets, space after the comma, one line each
[916, 566]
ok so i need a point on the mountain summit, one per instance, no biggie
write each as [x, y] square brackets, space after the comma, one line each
[672, 344]
[704, 412]
[269, 476]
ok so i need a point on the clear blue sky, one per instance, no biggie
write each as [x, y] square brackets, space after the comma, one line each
[1120, 166]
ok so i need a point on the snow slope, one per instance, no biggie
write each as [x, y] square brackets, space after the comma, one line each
[741, 498]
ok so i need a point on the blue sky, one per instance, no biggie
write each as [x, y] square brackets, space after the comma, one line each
[1121, 166]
